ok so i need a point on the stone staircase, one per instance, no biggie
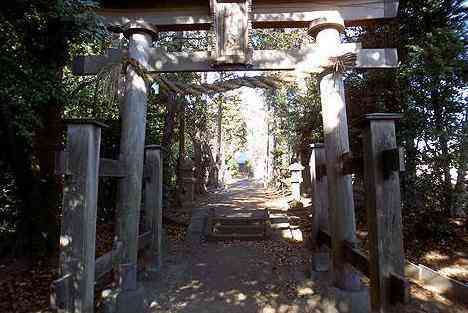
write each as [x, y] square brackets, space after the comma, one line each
[237, 225]
[254, 224]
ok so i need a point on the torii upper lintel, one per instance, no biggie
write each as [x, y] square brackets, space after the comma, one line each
[179, 15]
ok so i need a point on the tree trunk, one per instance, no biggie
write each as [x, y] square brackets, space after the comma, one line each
[168, 135]
[444, 159]
[219, 156]
[181, 156]
[211, 165]
[409, 175]
[200, 184]
[460, 203]
[33, 166]
[34, 216]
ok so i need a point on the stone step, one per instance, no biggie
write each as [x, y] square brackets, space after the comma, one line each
[279, 219]
[238, 221]
[216, 237]
[279, 226]
[239, 229]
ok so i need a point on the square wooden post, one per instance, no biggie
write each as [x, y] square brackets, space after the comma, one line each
[78, 229]
[383, 203]
[318, 175]
[153, 203]
[320, 217]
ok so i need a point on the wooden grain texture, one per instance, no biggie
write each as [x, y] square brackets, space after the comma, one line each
[231, 26]
[153, 204]
[191, 15]
[340, 193]
[132, 144]
[78, 229]
[399, 292]
[107, 167]
[306, 59]
[383, 205]
[108, 261]
[111, 168]
[62, 294]
[320, 217]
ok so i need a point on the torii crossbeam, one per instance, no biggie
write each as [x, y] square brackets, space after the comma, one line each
[231, 21]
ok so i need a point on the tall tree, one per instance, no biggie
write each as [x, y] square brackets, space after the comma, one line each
[36, 37]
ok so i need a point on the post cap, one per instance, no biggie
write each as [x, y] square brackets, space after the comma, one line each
[317, 145]
[140, 27]
[84, 121]
[322, 23]
[154, 147]
[380, 117]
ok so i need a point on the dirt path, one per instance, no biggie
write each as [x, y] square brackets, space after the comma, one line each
[263, 276]
[268, 276]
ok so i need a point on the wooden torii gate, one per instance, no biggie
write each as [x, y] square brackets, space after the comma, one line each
[231, 20]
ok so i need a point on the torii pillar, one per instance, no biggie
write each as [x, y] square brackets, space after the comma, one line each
[132, 147]
[327, 32]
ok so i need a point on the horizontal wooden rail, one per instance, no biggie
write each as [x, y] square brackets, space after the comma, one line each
[111, 168]
[107, 167]
[352, 164]
[106, 262]
[61, 289]
[356, 258]
[359, 260]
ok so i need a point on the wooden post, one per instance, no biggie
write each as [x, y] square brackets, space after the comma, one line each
[319, 189]
[296, 180]
[383, 205]
[78, 231]
[132, 143]
[153, 203]
[342, 222]
[320, 217]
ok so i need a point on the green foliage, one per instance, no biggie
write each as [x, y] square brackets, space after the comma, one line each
[433, 80]
[234, 125]
[35, 41]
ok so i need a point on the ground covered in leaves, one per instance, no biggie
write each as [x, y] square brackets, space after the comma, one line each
[264, 276]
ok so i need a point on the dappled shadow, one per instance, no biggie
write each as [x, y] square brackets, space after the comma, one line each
[235, 277]
[269, 276]
[232, 276]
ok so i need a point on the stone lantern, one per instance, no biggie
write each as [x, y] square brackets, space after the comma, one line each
[296, 169]
[188, 181]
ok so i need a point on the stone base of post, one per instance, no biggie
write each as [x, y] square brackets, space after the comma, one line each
[320, 261]
[344, 301]
[124, 301]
